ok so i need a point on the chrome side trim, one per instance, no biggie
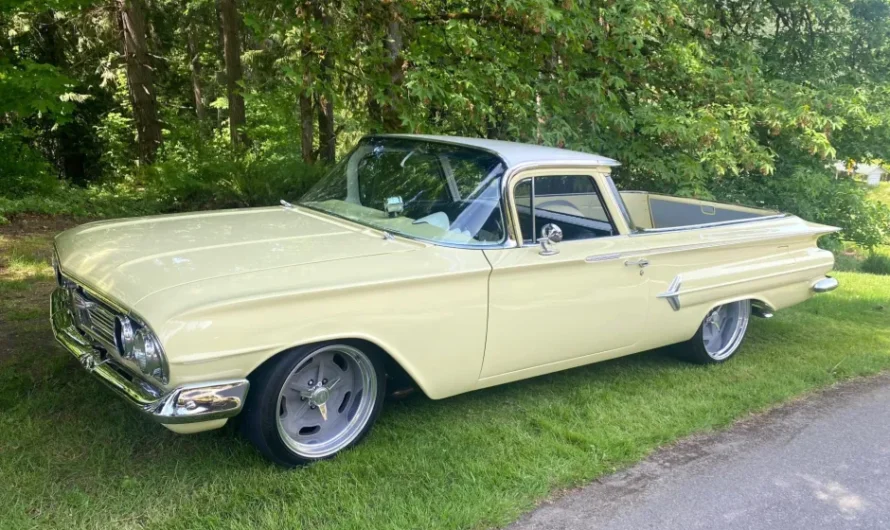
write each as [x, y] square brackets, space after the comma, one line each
[596, 258]
[825, 285]
[685, 228]
[700, 246]
[672, 295]
[185, 404]
[674, 292]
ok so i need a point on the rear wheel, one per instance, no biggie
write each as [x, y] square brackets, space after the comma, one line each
[720, 334]
[314, 402]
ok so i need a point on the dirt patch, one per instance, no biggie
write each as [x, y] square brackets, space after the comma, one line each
[34, 225]
[25, 286]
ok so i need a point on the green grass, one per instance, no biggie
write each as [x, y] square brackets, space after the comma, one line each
[73, 456]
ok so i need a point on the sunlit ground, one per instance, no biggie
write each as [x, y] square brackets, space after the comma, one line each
[73, 456]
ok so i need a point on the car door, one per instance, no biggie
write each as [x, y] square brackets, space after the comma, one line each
[555, 309]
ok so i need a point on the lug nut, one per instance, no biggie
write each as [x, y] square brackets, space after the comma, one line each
[312, 407]
[311, 382]
[324, 381]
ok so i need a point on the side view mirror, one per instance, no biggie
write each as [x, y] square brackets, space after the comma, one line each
[550, 234]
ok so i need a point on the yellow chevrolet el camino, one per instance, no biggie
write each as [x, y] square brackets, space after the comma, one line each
[452, 264]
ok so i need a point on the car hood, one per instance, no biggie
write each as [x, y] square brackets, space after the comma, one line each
[128, 260]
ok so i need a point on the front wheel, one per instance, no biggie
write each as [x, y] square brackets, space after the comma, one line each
[720, 334]
[313, 402]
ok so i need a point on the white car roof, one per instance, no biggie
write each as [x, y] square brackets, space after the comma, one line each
[513, 153]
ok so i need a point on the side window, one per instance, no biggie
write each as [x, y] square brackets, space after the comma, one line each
[571, 195]
[570, 201]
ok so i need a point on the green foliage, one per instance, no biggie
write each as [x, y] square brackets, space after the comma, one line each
[691, 96]
[195, 173]
[876, 263]
[816, 195]
[186, 178]
[24, 171]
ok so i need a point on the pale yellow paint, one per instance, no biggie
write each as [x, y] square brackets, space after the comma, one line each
[226, 291]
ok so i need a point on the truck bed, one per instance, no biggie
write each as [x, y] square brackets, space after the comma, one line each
[653, 211]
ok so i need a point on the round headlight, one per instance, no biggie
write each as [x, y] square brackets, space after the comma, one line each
[123, 336]
[147, 354]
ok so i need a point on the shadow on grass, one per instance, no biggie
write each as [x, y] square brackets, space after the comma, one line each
[73, 455]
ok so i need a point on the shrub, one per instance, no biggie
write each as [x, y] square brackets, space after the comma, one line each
[23, 171]
[192, 173]
[876, 263]
[815, 195]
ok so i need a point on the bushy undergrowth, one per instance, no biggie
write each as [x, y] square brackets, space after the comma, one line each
[23, 172]
[816, 195]
[188, 176]
[876, 263]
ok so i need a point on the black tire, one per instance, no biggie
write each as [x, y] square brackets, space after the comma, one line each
[259, 419]
[695, 349]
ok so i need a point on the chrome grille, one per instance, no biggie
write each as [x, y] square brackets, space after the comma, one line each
[93, 318]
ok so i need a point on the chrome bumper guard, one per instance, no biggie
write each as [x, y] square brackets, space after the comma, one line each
[825, 285]
[185, 404]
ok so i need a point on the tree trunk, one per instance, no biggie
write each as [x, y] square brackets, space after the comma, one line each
[307, 118]
[327, 139]
[232, 50]
[67, 152]
[195, 67]
[394, 43]
[307, 114]
[140, 78]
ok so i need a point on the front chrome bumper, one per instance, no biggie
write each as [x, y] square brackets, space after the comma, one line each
[184, 404]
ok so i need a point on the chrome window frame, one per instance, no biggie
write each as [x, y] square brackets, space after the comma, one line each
[599, 197]
[561, 165]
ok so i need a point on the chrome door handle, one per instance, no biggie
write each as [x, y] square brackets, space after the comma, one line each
[642, 262]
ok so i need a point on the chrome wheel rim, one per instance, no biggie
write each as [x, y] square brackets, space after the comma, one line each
[326, 401]
[724, 328]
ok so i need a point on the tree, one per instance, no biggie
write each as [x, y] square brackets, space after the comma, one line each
[140, 77]
[194, 55]
[327, 137]
[307, 109]
[230, 23]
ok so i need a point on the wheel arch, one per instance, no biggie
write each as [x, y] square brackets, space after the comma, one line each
[397, 370]
[757, 303]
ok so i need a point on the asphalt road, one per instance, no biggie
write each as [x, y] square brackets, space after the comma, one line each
[821, 463]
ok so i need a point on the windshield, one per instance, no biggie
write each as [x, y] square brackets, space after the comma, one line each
[438, 192]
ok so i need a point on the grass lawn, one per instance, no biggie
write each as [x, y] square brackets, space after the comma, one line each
[73, 456]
